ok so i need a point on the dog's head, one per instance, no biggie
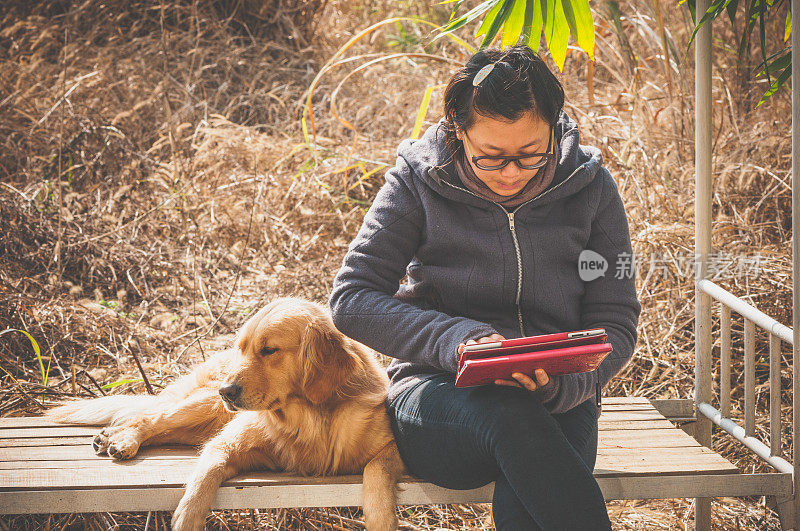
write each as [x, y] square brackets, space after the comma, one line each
[289, 349]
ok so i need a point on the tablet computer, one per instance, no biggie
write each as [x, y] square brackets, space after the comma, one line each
[581, 358]
[566, 360]
[524, 345]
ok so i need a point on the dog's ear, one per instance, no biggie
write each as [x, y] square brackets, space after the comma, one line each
[326, 362]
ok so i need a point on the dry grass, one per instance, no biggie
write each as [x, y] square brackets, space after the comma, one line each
[155, 189]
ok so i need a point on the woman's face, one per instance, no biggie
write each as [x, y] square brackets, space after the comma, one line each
[493, 137]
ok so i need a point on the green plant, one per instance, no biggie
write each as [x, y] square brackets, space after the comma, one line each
[403, 39]
[37, 350]
[120, 382]
[524, 21]
[756, 12]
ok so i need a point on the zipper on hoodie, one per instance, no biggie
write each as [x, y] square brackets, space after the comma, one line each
[514, 234]
[519, 271]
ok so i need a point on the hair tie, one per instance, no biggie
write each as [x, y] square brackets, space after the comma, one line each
[482, 74]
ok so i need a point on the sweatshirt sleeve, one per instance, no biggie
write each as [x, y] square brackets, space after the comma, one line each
[609, 302]
[362, 300]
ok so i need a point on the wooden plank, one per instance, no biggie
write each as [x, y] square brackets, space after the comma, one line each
[45, 441]
[605, 460]
[659, 437]
[625, 471]
[607, 416]
[666, 461]
[35, 426]
[623, 412]
[65, 453]
[348, 493]
[100, 464]
[669, 405]
[635, 450]
[698, 452]
[625, 400]
[665, 435]
[629, 416]
[60, 431]
[412, 492]
[634, 425]
[80, 467]
[141, 475]
[656, 438]
[674, 407]
[636, 406]
[706, 486]
[29, 456]
[113, 476]
[29, 422]
[147, 471]
[678, 407]
[176, 476]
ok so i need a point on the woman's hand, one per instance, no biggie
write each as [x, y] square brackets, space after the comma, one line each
[488, 339]
[522, 380]
[527, 382]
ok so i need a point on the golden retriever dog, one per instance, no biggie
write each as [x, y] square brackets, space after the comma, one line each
[294, 394]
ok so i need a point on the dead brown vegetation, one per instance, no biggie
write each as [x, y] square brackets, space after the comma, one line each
[155, 188]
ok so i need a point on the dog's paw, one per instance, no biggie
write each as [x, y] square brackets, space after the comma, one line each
[188, 516]
[100, 443]
[120, 444]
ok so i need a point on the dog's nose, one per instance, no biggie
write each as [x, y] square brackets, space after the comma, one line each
[230, 391]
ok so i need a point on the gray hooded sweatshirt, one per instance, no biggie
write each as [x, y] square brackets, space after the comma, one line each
[475, 268]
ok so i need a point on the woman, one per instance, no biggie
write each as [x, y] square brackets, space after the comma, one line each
[488, 215]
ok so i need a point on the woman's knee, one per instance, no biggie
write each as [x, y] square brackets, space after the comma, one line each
[435, 437]
[440, 428]
[511, 415]
[443, 455]
[580, 427]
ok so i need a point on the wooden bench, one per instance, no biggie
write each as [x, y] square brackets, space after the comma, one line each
[642, 454]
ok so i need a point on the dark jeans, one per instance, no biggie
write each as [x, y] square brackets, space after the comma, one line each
[541, 463]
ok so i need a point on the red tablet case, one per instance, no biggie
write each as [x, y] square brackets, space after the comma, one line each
[594, 335]
[515, 346]
[561, 353]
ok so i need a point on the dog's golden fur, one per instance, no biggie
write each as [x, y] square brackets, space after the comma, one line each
[300, 396]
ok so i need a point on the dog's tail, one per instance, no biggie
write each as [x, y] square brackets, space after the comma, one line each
[107, 410]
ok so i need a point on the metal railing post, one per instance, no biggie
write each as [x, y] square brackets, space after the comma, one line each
[702, 210]
[796, 268]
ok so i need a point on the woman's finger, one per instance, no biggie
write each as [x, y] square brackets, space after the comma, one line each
[542, 377]
[507, 383]
[526, 381]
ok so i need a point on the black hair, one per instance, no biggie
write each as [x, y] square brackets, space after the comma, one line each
[519, 82]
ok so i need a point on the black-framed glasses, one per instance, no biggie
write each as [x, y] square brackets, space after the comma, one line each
[525, 162]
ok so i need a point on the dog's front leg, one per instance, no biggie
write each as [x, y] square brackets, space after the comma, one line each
[229, 453]
[184, 420]
[379, 490]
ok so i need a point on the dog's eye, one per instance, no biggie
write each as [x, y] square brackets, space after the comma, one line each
[266, 351]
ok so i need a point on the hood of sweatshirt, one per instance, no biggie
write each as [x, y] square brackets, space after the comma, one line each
[475, 268]
[431, 162]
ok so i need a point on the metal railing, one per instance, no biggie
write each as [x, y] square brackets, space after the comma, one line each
[705, 290]
[721, 417]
